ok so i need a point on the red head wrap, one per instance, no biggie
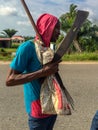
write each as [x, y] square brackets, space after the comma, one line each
[45, 26]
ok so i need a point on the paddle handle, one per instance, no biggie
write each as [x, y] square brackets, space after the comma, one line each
[31, 19]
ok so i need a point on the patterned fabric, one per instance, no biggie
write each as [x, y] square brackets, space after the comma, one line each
[52, 97]
[45, 54]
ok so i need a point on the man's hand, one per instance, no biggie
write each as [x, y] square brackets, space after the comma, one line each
[50, 68]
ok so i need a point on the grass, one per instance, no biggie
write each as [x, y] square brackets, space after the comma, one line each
[81, 57]
[6, 55]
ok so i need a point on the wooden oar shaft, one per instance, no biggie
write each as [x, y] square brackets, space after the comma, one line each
[31, 18]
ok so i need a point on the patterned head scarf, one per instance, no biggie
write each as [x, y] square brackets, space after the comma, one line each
[45, 26]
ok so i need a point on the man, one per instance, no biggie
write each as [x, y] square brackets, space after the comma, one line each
[26, 68]
[94, 125]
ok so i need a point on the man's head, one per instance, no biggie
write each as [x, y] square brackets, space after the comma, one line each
[56, 32]
[49, 28]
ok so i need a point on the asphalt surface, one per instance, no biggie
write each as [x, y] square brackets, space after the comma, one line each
[81, 80]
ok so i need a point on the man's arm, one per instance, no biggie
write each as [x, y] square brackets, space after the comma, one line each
[17, 78]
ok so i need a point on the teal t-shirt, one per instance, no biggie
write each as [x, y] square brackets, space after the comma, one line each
[26, 61]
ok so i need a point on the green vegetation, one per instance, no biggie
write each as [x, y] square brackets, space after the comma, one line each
[9, 32]
[87, 37]
[84, 47]
[91, 56]
[6, 55]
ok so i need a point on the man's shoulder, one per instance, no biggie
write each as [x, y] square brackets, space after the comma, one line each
[27, 45]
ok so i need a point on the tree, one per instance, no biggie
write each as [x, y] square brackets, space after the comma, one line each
[9, 32]
[67, 21]
[87, 37]
[68, 18]
[28, 38]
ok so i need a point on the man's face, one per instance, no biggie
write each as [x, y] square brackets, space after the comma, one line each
[56, 32]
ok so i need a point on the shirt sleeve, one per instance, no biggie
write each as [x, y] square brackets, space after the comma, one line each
[23, 55]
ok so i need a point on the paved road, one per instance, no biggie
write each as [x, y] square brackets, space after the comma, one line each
[82, 82]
